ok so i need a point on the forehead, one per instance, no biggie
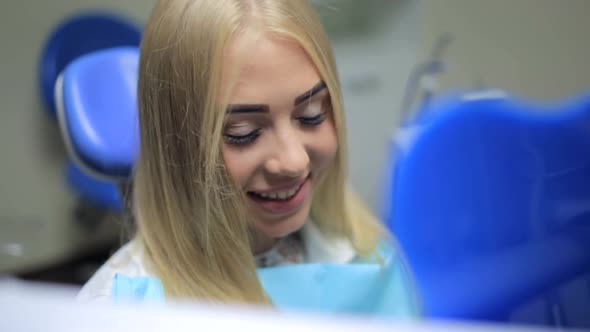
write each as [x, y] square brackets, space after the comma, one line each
[267, 70]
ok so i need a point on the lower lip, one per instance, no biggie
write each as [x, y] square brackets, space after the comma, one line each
[287, 206]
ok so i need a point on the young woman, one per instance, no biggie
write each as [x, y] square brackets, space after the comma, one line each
[243, 153]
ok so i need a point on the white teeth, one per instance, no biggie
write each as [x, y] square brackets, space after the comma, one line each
[280, 195]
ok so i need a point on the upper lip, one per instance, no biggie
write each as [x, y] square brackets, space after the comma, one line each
[283, 186]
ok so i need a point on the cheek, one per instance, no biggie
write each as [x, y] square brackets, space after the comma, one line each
[238, 165]
[325, 146]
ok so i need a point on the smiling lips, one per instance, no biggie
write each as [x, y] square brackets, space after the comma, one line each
[279, 195]
[282, 201]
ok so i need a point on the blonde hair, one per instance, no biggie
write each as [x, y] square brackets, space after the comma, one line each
[190, 216]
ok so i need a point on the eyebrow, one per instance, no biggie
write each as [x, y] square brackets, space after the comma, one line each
[247, 108]
[264, 108]
[307, 95]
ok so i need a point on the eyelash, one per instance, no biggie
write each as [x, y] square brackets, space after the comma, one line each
[242, 139]
[252, 136]
[312, 121]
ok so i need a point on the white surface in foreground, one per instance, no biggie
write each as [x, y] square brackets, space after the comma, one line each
[26, 307]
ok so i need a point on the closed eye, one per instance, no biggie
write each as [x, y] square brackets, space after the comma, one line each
[312, 121]
[242, 139]
[315, 111]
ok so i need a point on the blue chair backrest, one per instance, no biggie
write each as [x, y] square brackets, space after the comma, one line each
[78, 35]
[490, 199]
[97, 110]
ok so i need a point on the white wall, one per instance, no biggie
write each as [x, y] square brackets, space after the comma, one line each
[374, 67]
[536, 48]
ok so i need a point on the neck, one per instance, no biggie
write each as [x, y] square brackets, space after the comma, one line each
[262, 243]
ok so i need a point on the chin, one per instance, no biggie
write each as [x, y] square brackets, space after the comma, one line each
[282, 227]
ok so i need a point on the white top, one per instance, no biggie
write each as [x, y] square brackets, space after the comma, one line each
[129, 261]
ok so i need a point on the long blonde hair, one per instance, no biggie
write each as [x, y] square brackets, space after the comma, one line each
[191, 218]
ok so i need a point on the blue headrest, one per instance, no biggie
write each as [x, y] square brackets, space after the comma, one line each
[97, 110]
[94, 191]
[490, 199]
[79, 35]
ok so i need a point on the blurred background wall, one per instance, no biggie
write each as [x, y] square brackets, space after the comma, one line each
[536, 48]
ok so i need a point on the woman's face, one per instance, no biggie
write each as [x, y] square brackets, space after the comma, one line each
[279, 136]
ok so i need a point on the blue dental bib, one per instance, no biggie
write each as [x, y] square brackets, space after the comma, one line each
[356, 288]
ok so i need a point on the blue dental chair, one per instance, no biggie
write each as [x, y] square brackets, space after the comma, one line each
[97, 112]
[489, 196]
[76, 36]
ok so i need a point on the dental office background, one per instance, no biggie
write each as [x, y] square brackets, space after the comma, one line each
[533, 48]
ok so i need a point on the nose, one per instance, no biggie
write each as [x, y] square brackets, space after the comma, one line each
[289, 157]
